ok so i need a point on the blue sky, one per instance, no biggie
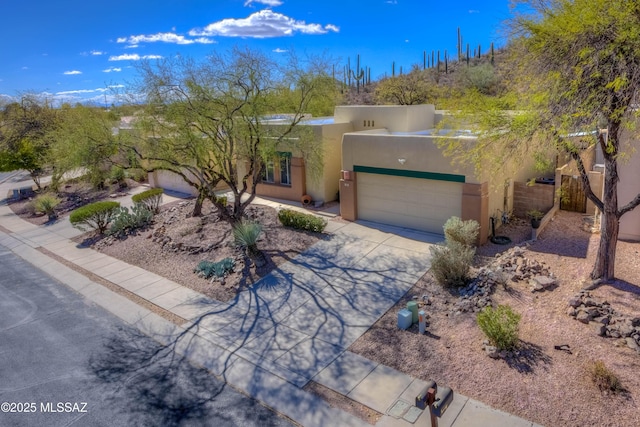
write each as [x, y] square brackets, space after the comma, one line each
[73, 50]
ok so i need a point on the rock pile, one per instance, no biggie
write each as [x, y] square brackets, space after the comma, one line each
[604, 320]
[516, 267]
[509, 267]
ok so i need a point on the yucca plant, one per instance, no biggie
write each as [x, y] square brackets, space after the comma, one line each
[246, 235]
[46, 203]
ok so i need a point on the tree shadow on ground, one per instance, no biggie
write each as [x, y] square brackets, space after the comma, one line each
[527, 358]
[160, 387]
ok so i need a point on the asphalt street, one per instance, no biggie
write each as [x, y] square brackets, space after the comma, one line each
[66, 362]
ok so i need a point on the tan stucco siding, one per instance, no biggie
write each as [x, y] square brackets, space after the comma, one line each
[384, 151]
[628, 188]
[396, 118]
[171, 181]
[331, 136]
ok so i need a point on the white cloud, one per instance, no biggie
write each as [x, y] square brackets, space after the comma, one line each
[97, 52]
[112, 69]
[262, 24]
[332, 27]
[72, 73]
[162, 37]
[76, 92]
[278, 50]
[25, 68]
[271, 3]
[85, 91]
[392, 2]
[132, 57]
[131, 46]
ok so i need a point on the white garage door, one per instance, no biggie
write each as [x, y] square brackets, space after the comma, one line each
[422, 204]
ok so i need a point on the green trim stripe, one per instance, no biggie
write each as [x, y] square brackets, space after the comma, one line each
[411, 174]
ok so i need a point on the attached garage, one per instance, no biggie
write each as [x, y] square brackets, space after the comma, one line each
[418, 200]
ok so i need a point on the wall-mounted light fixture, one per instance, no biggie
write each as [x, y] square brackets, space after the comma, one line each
[402, 160]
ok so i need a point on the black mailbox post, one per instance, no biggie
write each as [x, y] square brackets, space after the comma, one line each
[421, 399]
[438, 401]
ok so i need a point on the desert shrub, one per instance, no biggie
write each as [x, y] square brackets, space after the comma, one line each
[463, 232]
[118, 176]
[500, 325]
[450, 263]
[96, 216]
[46, 203]
[222, 200]
[301, 221]
[603, 377]
[209, 269]
[151, 199]
[138, 175]
[96, 177]
[124, 222]
[246, 235]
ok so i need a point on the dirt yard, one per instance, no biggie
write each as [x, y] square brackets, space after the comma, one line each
[539, 383]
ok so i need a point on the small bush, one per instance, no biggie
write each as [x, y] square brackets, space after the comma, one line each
[222, 200]
[118, 176]
[46, 203]
[125, 222]
[603, 377]
[500, 325]
[209, 269]
[150, 198]
[450, 263]
[96, 216]
[301, 221]
[246, 235]
[463, 232]
[137, 175]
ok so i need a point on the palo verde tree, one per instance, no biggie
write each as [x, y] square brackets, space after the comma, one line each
[24, 141]
[573, 70]
[581, 58]
[416, 87]
[202, 119]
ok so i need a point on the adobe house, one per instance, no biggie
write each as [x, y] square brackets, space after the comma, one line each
[288, 177]
[395, 173]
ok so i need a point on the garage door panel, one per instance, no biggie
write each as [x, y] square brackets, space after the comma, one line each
[408, 202]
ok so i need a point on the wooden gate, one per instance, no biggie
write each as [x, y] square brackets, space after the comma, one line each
[572, 197]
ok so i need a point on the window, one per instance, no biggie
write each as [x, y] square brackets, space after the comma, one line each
[285, 168]
[268, 174]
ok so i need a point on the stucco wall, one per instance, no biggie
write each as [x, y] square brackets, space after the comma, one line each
[396, 118]
[325, 188]
[383, 150]
[628, 188]
[170, 181]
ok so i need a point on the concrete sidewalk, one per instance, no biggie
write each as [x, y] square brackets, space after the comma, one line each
[292, 327]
